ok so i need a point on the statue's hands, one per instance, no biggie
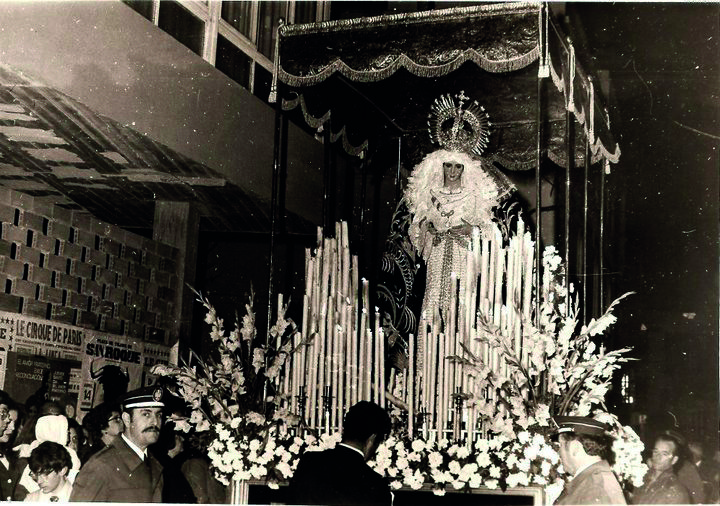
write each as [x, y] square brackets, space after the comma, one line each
[464, 229]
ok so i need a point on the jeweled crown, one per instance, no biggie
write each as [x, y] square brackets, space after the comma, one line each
[456, 126]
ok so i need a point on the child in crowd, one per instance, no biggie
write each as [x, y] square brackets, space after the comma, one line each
[49, 464]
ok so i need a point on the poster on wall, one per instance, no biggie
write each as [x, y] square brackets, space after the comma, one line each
[78, 368]
[36, 378]
[42, 360]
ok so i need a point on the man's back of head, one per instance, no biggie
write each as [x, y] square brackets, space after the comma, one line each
[363, 420]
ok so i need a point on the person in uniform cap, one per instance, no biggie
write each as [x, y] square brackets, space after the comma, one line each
[124, 471]
[341, 476]
[583, 444]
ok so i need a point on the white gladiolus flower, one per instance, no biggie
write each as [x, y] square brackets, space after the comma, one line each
[483, 446]
[545, 468]
[539, 479]
[242, 476]
[454, 467]
[523, 465]
[435, 459]
[418, 445]
[483, 460]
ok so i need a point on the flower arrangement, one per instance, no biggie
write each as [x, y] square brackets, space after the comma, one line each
[492, 463]
[564, 373]
[237, 394]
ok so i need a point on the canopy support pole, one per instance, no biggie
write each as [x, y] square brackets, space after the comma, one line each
[570, 151]
[543, 74]
[586, 163]
[279, 142]
[601, 306]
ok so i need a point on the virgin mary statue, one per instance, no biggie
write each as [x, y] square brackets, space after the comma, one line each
[450, 194]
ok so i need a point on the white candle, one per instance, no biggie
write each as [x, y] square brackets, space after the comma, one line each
[411, 389]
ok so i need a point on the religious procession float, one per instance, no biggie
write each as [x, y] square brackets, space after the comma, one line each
[502, 341]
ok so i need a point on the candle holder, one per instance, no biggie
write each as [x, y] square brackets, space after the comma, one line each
[301, 402]
[423, 422]
[458, 403]
[327, 406]
[404, 417]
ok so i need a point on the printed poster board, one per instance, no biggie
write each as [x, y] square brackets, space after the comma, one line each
[77, 367]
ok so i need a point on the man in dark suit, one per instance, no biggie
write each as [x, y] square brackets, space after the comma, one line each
[125, 471]
[9, 475]
[341, 476]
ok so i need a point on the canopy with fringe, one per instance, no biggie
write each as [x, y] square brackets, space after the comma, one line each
[377, 76]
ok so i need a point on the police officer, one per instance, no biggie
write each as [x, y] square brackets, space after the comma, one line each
[583, 443]
[125, 471]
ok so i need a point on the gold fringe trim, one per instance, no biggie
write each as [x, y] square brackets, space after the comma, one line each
[318, 122]
[403, 61]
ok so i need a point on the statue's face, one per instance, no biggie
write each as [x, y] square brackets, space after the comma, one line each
[452, 171]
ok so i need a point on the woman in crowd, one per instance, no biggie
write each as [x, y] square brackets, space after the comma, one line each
[104, 424]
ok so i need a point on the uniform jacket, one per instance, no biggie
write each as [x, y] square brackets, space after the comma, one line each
[8, 477]
[338, 476]
[116, 474]
[595, 485]
[665, 489]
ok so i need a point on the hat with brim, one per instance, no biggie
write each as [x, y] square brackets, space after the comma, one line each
[148, 397]
[580, 425]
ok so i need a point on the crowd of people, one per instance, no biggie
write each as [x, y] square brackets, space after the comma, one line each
[678, 472]
[129, 451]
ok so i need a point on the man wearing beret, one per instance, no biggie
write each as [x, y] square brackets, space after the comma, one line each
[124, 471]
[583, 443]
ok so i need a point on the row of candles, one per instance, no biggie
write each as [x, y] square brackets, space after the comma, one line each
[340, 357]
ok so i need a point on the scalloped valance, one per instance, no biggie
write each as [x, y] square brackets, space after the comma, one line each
[387, 70]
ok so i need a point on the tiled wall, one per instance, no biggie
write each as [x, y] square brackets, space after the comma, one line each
[70, 267]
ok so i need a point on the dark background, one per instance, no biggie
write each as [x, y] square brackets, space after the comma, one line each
[662, 61]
